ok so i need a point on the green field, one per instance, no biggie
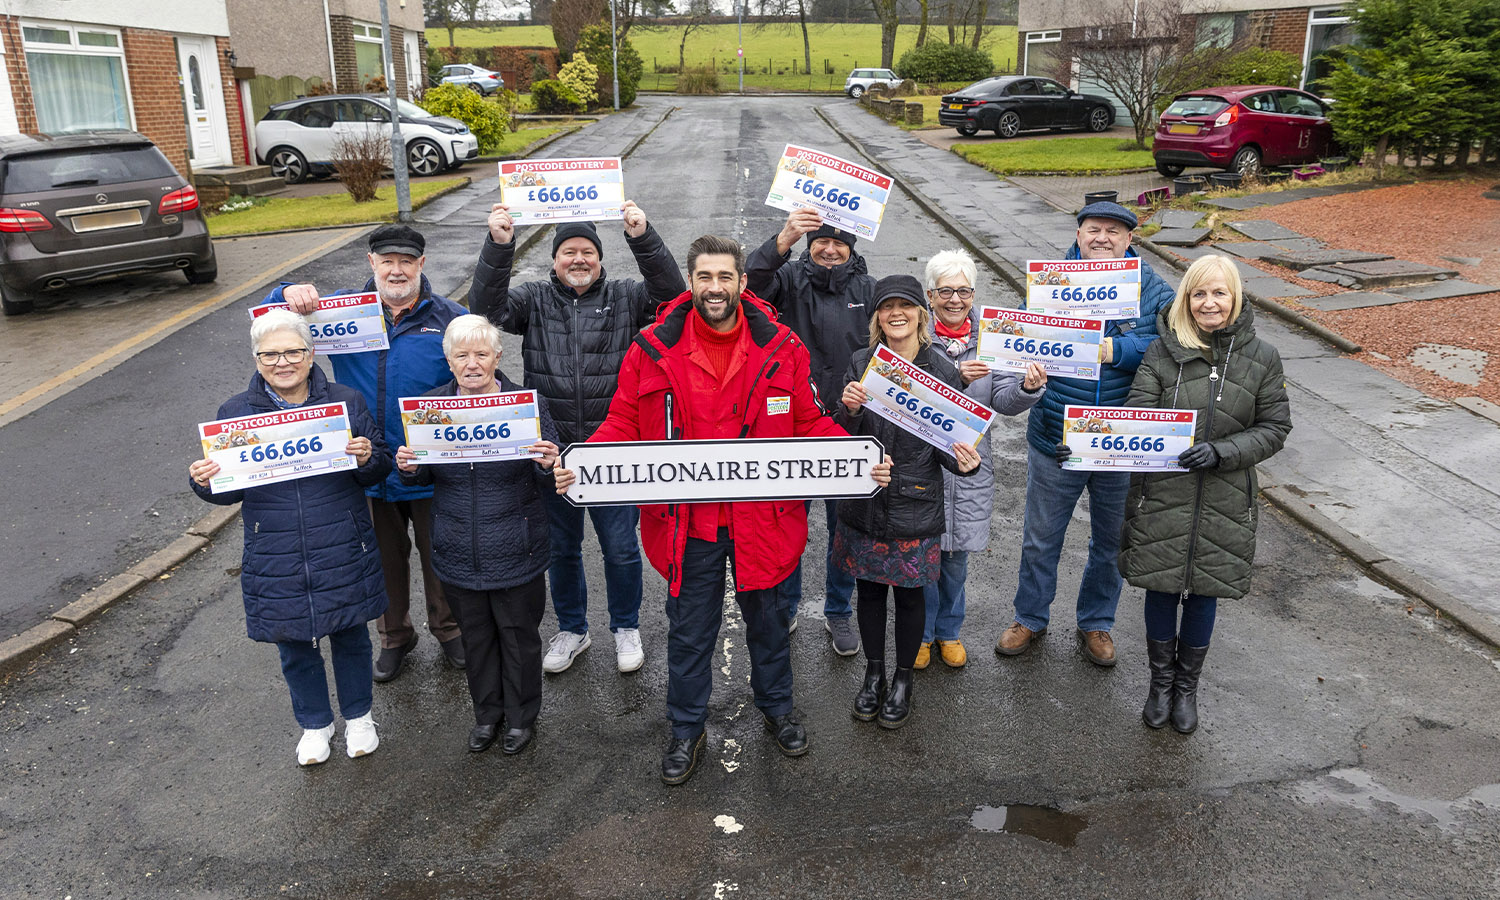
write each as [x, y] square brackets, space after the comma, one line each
[773, 53]
[1079, 156]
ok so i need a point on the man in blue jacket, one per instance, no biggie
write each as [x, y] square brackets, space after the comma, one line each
[415, 319]
[1104, 231]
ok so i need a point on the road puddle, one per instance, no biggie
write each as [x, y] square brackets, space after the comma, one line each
[1040, 822]
[1359, 789]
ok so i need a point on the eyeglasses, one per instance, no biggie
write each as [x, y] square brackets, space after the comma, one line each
[947, 293]
[277, 357]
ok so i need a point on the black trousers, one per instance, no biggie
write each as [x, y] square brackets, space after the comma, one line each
[503, 647]
[911, 619]
[693, 635]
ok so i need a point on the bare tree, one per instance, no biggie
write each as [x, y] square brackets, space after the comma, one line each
[888, 14]
[452, 14]
[699, 13]
[922, 22]
[981, 9]
[569, 18]
[784, 10]
[1147, 53]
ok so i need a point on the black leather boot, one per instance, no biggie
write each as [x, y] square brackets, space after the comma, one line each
[681, 758]
[1185, 688]
[871, 691]
[1162, 656]
[897, 706]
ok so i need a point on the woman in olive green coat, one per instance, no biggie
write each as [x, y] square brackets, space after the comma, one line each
[1190, 536]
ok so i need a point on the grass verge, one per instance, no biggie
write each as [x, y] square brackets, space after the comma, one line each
[1074, 156]
[518, 140]
[323, 211]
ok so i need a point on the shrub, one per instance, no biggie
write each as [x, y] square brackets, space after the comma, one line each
[1257, 66]
[702, 80]
[582, 78]
[489, 121]
[360, 158]
[593, 43]
[945, 62]
[552, 96]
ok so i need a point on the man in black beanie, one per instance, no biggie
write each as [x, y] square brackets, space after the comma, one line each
[576, 327]
[825, 297]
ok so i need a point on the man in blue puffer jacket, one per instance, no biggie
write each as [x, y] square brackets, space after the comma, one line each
[1051, 493]
[415, 319]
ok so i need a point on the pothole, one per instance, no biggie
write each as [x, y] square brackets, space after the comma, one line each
[1041, 822]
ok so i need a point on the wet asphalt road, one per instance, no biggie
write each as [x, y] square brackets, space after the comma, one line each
[1350, 746]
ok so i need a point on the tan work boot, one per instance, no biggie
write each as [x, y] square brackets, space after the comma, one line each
[953, 653]
[924, 656]
[1016, 639]
[1098, 646]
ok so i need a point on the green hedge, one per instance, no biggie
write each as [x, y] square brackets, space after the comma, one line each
[945, 62]
[552, 96]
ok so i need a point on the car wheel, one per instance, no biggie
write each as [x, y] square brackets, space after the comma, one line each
[476, 88]
[1099, 119]
[1246, 162]
[288, 164]
[1168, 170]
[857, 91]
[968, 129]
[1008, 125]
[203, 273]
[14, 303]
[424, 158]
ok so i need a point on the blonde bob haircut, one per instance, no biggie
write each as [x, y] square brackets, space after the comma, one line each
[272, 321]
[1180, 319]
[470, 330]
[924, 324]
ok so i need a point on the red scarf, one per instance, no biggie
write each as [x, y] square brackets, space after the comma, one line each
[943, 331]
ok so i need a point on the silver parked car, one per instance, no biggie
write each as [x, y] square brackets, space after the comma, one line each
[860, 80]
[298, 138]
[473, 77]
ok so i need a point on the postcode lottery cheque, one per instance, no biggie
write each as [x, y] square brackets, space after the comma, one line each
[472, 428]
[1091, 288]
[349, 323]
[921, 404]
[1061, 345]
[1137, 439]
[277, 446]
[545, 191]
[846, 194]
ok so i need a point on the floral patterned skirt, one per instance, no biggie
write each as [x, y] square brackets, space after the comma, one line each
[903, 563]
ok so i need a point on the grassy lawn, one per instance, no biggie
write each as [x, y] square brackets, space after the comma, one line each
[518, 140]
[929, 113]
[324, 211]
[770, 50]
[1078, 156]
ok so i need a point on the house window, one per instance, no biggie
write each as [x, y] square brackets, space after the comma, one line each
[369, 58]
[1221, 29]
[77, 77]
[1044, 56]
[1327, 27]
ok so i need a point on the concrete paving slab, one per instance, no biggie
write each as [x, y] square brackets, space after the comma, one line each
[1249, 249]
[1307, 259]
[1177, 218]
[1460, 364]
[1265, 230]
[1300, 244]
[1180, 237]
[1354, 300]
[1386, 273]
[1480, 407]
[1236, 203]
[1441, 290]
[1463, 260]
[1192, 253]
[1330, 275]
[1271, 286]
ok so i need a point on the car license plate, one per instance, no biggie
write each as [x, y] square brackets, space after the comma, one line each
[1182, 128]
[955, 106]
[115, 218]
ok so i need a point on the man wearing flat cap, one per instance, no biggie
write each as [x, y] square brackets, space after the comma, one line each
[415, 319]
[825, 297]
[575, 328]
[1051, 492]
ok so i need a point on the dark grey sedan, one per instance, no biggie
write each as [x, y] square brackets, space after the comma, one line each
[1012, 104]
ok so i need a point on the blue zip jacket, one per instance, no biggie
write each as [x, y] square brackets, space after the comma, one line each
[412, 366]
[1131, 337]
[310, 566]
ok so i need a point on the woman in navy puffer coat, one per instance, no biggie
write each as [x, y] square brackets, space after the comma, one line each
[310, 568]
[491, 545]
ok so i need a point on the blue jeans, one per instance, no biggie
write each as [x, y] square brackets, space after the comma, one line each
[302, 666]
[945, 598]
[1051, 494]
[615, 528]
[838, 585]
[1198, 613]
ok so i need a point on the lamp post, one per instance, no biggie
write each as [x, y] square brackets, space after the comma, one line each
[739, 17]
[398, 143]
[614, 54]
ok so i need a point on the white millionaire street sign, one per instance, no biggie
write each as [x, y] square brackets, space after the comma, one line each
[637, 472]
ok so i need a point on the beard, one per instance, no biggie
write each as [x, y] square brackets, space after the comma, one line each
[702, 299]
[577, 277]
[399, 294]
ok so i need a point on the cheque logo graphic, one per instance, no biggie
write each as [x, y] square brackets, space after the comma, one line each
[1002, 325]
[799, 166]
[893, 375]
[525, 179]
[424, 416]
[1049, 277]
[1092, 425]
[236, 438]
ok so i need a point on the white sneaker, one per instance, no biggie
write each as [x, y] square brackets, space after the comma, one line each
[360, 738]
[792, 627]
[565, 647]
[313, 748]
[628, 653]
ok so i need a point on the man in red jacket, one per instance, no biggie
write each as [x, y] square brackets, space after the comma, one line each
[717, 365]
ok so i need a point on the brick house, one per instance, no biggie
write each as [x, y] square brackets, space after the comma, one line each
[154, 66]
[1045, 28]
[284, 49]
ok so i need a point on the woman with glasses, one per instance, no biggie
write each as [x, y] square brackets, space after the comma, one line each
[968, 501]
[310, 569]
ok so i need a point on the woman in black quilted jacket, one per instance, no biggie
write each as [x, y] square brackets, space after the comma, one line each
[1190, 536]
[490, 548]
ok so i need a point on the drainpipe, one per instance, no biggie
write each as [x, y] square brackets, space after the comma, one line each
[328, 33]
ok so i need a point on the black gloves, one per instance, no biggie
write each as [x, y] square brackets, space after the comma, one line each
[1062, 453]
[1199, 456]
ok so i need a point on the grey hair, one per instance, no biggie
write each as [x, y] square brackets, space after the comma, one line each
[951, 262]
[470, 329]
[267, 323]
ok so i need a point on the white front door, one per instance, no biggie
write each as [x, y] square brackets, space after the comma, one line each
[203, 95]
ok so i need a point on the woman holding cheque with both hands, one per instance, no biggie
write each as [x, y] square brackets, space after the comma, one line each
[1190, 537]
[491, 546]
[892, 539]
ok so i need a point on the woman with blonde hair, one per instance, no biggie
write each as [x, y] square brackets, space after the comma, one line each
[1190, 536]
